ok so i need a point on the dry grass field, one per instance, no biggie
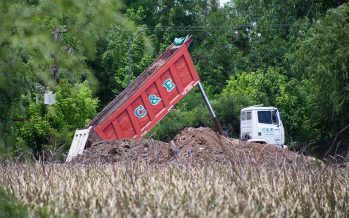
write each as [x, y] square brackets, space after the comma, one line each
[129, 189]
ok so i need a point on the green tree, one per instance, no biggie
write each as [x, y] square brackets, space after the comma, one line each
[111, 61]
[190, 112]
[321, 60]
[44, 41]
[271, 88]
[271, 26]
[168, 19]
[49, 127]
[251, 35]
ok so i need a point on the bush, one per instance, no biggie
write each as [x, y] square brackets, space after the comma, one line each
[53, 127]
[10, 207]
[190, 112]
[227, 108]
[269, 87]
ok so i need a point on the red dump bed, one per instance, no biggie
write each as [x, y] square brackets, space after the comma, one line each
[150, 97]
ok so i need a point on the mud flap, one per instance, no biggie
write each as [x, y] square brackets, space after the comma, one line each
[78, 144]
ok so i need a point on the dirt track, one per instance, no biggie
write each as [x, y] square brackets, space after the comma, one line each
[192, 145]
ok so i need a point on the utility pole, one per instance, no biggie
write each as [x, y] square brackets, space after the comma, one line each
[57, 33]
[49, 96]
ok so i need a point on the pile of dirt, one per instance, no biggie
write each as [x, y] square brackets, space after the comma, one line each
[148, 150]
[192, 145]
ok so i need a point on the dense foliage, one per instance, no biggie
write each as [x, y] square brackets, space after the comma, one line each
[289, 54]
[321, 60]
[51, 127]
[42, 44]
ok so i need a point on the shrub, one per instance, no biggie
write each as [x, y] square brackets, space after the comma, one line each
[190, 112]
[50, 127]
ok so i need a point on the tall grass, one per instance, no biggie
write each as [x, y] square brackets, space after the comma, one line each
[140, 190]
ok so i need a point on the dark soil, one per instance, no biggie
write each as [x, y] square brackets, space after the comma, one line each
[192, 145]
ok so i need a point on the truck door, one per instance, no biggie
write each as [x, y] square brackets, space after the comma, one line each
[246, 126]
[269, 127]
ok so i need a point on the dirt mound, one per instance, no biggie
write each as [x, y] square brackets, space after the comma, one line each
[193, 145]
[127, 149]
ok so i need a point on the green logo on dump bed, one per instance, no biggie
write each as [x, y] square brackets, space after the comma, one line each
[169, 85]
[154, 100]
[140, 111]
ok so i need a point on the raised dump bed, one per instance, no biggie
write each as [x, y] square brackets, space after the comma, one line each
[138, 108]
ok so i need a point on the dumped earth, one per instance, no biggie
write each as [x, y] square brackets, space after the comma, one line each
[192, 145]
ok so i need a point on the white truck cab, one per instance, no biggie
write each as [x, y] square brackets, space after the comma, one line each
[263, 125]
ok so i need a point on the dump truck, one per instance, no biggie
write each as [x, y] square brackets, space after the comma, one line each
[262, 125]
[148, 99]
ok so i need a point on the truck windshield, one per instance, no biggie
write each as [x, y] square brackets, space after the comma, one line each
[264, 117]
[268, 117]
